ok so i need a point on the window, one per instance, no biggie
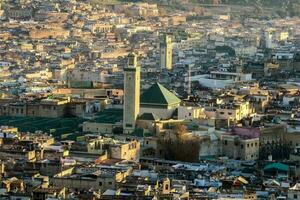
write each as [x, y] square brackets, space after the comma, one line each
[247, 145]
[110, 183]
[229, 113]
[242, 146]
[295, 196]
[128, 125]
[147, 142]
[222, 113]
[190, 114]
[100, 183]
[251, 144]
[167, 187]
[225, 142]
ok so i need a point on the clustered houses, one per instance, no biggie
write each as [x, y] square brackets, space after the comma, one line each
[165, 100]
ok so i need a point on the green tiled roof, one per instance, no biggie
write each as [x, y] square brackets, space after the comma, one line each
[276, 166]
[149, 116]
[57, 126]
[159, 95]
[110, 116]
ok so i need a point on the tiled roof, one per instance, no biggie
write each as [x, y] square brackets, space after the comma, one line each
[159, 95]
[149, 116]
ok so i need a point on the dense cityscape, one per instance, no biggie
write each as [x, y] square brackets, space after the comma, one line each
[149, 100]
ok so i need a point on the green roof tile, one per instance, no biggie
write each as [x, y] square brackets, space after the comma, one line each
[149, 116]
[111, 116]
[158, 95]
[276, 166]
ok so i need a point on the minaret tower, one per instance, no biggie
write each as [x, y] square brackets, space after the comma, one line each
[131, 94]
[166, 50]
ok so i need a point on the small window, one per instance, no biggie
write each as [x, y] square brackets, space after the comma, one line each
[248, 145]
[147, 142]
[167, 187]
[295, 196]
[242, 146]
[190, 114]
[110, 183]
[128, 125]
[225, 142]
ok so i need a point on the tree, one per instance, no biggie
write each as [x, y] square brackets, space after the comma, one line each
[181, 147]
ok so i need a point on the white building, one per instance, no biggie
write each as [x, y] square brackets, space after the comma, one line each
[218, 79]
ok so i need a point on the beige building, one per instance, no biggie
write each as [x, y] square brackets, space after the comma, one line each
[190, 113]
[114, 149]
[97, 180]
[234, 112]
[131, 94]
[292, 138]
[236, 147]
[49, 32]
[166, 50]
[96, 127]
[50, 108]
[17, 154]
[294, 192]
[126, 151]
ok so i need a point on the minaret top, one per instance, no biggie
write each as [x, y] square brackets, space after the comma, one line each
[132, 60]
[166, 39]
[132, 63]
